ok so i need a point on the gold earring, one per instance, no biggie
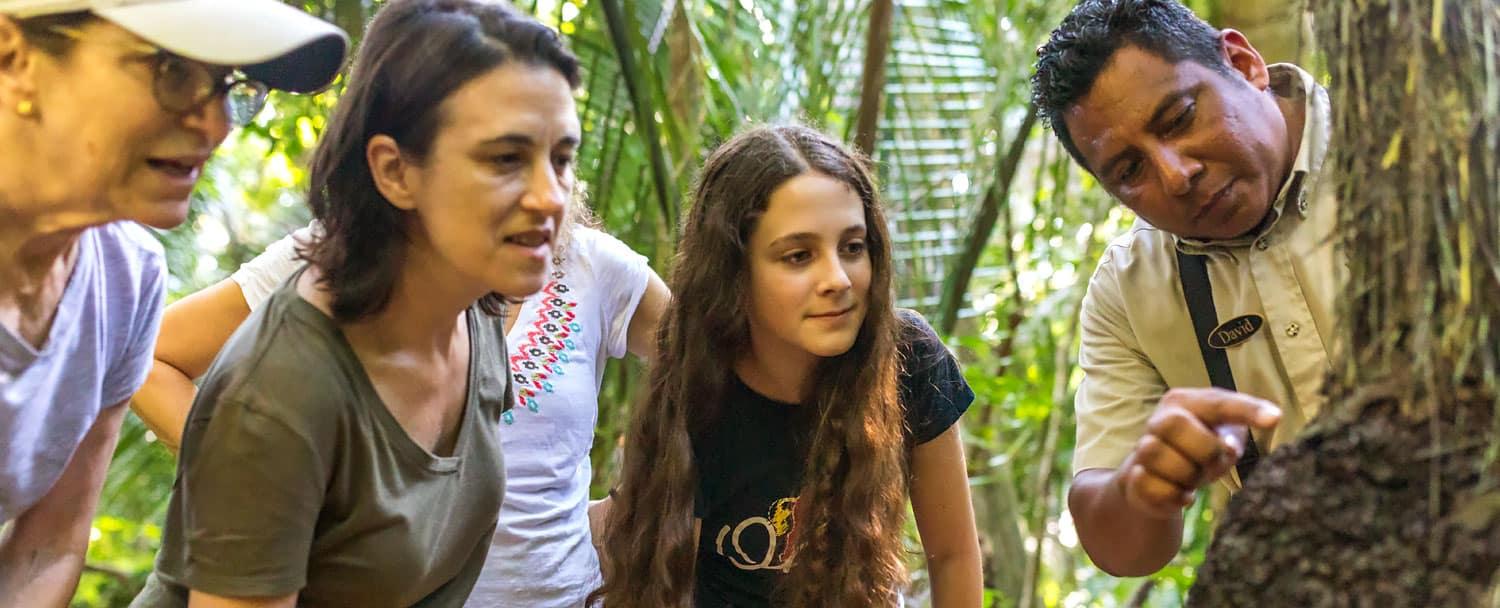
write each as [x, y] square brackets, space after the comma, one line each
[25, 107]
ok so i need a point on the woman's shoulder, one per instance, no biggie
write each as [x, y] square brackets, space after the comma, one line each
[922, 353]
[287, 359]
[128, 253]
[599, 251]
[128, 238]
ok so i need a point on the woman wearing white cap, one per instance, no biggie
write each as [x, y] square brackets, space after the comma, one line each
[108, 111]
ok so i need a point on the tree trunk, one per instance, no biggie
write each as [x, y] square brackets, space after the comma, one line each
[872, 84]
[1391, 499]
[1004, 552]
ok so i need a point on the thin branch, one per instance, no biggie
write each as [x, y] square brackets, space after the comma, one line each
[995, 197]
[1042, 489]
[121, 577]
[1142, 593]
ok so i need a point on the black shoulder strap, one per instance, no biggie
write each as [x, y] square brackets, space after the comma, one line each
[1193, 271]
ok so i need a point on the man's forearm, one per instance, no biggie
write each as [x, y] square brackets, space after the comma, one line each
[1120, 539]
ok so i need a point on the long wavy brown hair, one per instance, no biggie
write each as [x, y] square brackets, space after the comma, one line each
[852, 506]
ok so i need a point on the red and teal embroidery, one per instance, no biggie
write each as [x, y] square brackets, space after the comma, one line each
[538, 360]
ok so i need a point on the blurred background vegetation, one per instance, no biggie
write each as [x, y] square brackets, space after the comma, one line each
[997, 232]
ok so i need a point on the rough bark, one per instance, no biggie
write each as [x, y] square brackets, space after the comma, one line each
[1366, 513]
[1393, 499]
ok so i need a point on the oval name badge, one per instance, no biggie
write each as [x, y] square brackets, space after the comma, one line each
[1235, 331]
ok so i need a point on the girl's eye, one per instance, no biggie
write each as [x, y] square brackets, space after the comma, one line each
[563, 162]
[508, 159]
[797, 258]
[853, 248]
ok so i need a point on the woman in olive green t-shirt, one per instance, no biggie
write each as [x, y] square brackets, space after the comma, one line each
[343, 450]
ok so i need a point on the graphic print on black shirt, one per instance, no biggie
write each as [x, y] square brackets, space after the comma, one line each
[760, 543]
[750, 466]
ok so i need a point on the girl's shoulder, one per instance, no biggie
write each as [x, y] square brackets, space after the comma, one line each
[933, 391]
[917, 342]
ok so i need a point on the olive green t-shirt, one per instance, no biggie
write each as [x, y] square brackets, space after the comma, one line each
[295, 477]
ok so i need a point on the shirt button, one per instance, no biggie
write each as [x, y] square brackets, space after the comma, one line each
[1262, 244]
[1292, 329]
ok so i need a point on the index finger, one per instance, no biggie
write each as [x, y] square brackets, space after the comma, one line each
[1216, 406]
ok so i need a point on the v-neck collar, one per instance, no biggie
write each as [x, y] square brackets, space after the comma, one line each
[16, 354]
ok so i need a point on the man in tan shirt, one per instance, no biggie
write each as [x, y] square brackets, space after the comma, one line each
[1221, 157]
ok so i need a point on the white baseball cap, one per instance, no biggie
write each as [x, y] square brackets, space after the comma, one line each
[270, 41]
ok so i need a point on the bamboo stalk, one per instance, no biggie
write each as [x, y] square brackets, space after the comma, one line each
[1042, 490]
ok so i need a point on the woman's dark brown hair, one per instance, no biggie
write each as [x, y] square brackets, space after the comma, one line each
[415, 53]
[852, 505]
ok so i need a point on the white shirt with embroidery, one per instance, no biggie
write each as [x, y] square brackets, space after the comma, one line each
[542, 553]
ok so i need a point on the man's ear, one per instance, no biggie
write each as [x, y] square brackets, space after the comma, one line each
[395, 176]
[18, 58]
[1243, 58]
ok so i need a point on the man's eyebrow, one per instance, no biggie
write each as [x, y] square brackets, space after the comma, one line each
[1166, 103]
[1169, 100]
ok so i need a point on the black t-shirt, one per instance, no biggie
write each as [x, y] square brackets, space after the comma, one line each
[750, 468]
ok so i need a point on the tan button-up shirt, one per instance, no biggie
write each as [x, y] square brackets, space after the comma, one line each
[1137, 336]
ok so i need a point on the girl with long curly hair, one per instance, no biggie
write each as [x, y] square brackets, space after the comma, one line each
[792, 410]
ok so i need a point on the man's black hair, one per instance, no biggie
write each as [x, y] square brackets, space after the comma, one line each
[1082, 45]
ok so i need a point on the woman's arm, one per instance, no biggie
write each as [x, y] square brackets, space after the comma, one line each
[42, 552]
[640, 337]
[598, 515]
[945, 520]
[193, 330]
